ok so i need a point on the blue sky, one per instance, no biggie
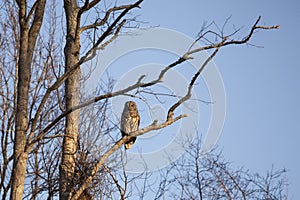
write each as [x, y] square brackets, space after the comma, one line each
[262, 126]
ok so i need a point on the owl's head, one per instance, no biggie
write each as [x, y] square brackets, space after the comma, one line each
[131, 104]
[132, 108]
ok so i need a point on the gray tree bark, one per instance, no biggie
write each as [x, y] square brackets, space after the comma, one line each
[71, 51]
[28, 35]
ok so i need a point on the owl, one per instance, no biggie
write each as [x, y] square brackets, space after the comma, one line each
[130, 122]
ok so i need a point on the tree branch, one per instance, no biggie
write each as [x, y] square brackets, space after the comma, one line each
[61, 79]
[88, 5]
[170, 119]
[117, 145]
[231, 42]
[120, 188]
[105, 19]
[32, 10]
[138, 84]
[190, 87]
[36, 23]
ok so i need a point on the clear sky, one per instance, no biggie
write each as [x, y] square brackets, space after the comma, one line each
[262, 126]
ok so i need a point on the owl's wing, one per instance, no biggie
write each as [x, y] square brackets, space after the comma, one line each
[125, 126]
[134, 123]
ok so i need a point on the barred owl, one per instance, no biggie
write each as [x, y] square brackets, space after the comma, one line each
[130, 122]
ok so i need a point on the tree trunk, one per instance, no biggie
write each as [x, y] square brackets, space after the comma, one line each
[27, 43]
[71, 51]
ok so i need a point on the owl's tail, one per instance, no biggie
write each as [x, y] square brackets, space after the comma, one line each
[130, 143]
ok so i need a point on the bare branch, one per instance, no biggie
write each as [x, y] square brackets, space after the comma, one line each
[121, 190]
[104, 96]
[37, 22]
[169, 119]
[231, 42]
[153, 126]
[32, 10]
[105, 19]
[88, 5]
[61, 79]
[268, 27]
[44, 139]
[190, 87]
[101, 47]
[182, 59]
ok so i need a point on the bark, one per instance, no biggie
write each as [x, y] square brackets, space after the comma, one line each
[71, 51]
[28, 35]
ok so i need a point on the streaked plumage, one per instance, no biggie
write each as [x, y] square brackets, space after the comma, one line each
[130, 121]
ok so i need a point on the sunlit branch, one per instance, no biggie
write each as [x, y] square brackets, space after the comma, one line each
[62, 79]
